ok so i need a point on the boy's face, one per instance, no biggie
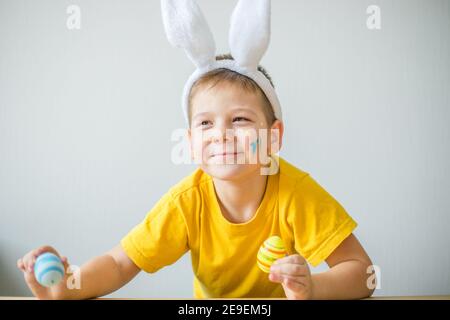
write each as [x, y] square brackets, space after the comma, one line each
[229, 135]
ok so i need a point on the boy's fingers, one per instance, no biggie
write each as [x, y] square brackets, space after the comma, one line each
[298, 270]
[28, 261]
[292, 284]
[293, 258]
[44, 249]
[30, 278]
[25, 259]
[33, 284]
[20, 264]
[274, 277]
[65, 262]
[32, 263]
[285, 279]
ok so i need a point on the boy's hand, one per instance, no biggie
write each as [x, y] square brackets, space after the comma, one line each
[294, 275]
[26, 264]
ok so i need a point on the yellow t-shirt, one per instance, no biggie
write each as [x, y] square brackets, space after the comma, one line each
[188, 217]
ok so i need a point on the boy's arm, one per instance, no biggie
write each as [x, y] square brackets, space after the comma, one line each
[104, 274]
[346, 279]
[97, 277]
[347, 276]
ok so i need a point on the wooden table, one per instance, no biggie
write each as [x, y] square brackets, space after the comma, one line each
[371, 298]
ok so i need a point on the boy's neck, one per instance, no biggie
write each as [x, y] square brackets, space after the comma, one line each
[239, 199]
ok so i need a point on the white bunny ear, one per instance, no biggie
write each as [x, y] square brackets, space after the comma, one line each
[186, 28]
[250, 32]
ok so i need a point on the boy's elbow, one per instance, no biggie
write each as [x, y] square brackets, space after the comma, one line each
[370, 279]
[366, 290]
[369, 292]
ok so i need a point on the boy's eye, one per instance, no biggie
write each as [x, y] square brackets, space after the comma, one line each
[240, 119]
[204, 123]
[235, 119]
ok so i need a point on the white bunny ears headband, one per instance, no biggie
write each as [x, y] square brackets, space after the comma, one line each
[249, 36]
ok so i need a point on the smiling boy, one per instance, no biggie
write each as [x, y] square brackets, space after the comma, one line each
[226, 208]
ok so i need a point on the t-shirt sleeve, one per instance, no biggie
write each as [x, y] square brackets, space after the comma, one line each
[160, 239]
[320, 222]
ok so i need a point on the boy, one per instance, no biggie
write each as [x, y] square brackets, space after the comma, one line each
[225, 210]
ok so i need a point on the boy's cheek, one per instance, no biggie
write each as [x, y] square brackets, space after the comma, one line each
[199, 155]
[196, 148]
[247, 139]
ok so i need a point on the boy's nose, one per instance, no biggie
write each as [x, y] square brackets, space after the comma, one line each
[222, 134]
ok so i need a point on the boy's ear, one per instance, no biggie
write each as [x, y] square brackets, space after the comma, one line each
[189, 139]
[276, 136]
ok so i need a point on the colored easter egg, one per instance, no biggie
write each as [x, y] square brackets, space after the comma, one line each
[48, 269]
[271, 250]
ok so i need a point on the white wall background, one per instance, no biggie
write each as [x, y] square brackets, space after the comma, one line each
[86, 118]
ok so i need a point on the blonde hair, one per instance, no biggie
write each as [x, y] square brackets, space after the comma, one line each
[217, 76]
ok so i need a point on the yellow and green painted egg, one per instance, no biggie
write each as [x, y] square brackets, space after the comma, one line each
[271, 250]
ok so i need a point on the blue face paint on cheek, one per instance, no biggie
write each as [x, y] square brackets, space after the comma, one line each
[254, 144]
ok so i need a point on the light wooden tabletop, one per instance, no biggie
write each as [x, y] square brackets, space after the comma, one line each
[371, 298]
